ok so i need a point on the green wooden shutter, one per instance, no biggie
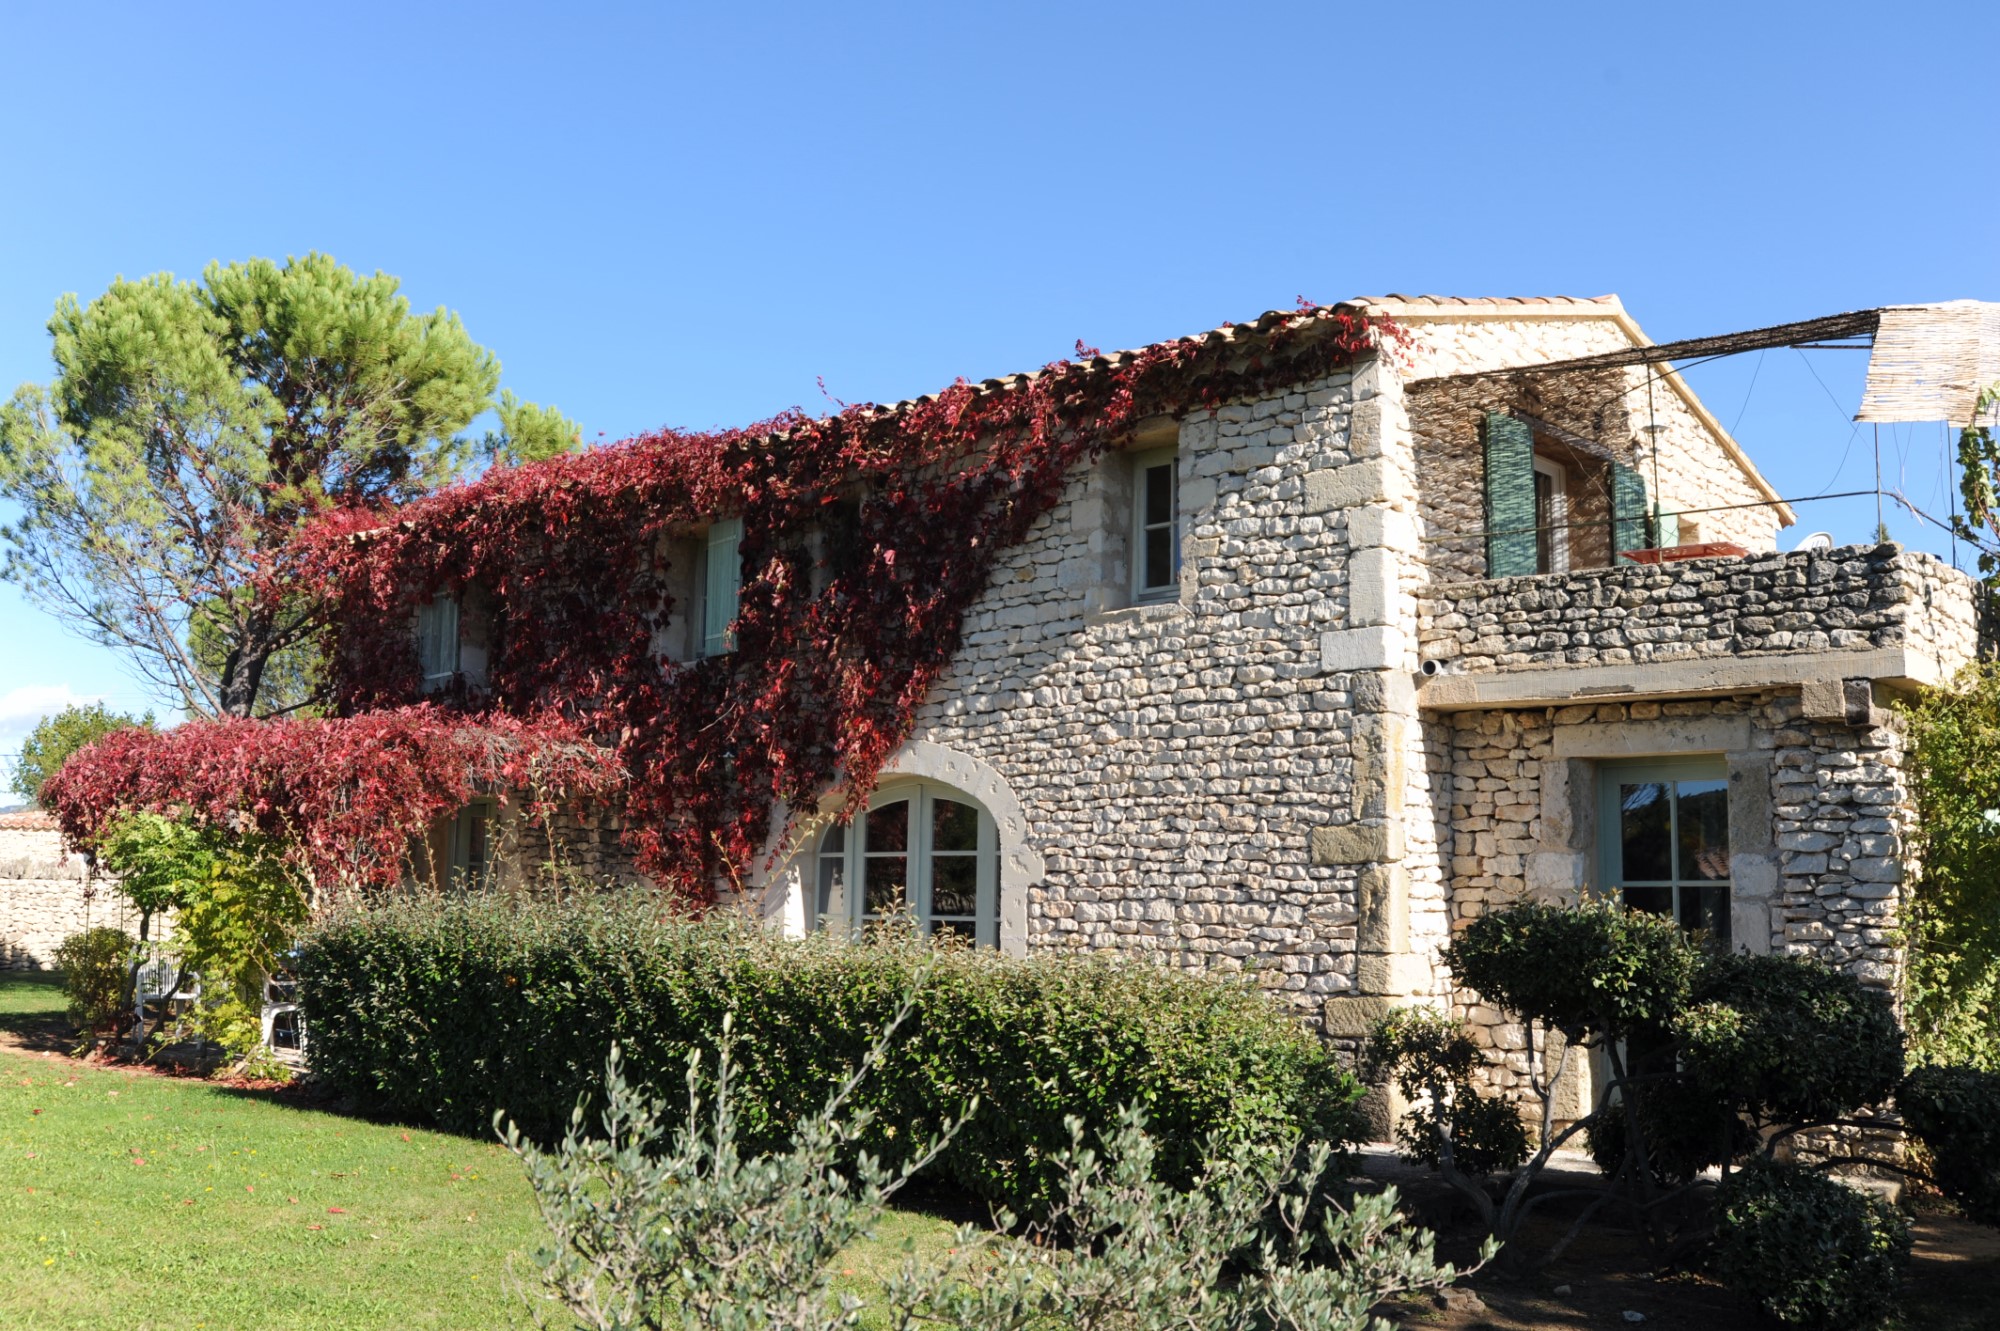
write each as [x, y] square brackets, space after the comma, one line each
[1510, 497]
[1629, 527]
[723, 581]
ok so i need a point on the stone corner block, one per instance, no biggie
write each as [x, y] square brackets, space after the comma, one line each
[1379, 525]
[1373, 590]
[1377, 480]
[1358, 843]
[1399, 975]
[1352, 1016]
[1385, 909]
[1379, 647]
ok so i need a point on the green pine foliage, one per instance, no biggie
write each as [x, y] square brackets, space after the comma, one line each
[451, 1009]
[192, 426]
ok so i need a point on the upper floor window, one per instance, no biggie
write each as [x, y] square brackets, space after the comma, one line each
[1551, 516]
[921, 849]
[1156, 522]
[437, 640]
[721, 585]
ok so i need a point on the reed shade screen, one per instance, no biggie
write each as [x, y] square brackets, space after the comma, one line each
[1930, 362]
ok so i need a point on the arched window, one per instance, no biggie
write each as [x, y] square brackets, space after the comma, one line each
[922, 848]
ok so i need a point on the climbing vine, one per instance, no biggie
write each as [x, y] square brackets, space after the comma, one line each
[867, 534]
[343, 797]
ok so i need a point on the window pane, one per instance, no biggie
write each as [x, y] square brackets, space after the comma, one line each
[1159, 557]
[1704, 830]
[954, 884]
[834, 841]
[887, 879]
[1711, 912]
[1545, 517]
[1160, 493]
[1652, 900]
[954, 826]
[888, 827]
[286, 1032]
[1644, 815]
[963, 929]
[830, 874]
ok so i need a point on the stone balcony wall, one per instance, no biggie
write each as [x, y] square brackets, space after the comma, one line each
[1849, 599]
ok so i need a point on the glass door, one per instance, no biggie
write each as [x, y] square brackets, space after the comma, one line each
[1663, 835]
[919, 849]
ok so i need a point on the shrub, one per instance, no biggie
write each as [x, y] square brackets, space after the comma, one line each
[1808, 1251]
[654, 1229]
[1951, 910]
[1955, 1113]
[1432, 1059]
[1592, 968]
[1787, 1039]
[671, 1220]
[448, 1009]
[1686, 1127]
[95, 965]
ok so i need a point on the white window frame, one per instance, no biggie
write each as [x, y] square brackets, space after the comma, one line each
[721, 587]
[1142, 463]
[1559, 512]
[838, 870]
[437, 641]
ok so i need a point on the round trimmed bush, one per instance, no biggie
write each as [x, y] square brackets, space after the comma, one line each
[95, 965]
[1808, 1251]
[1955, 1113]
[1578, 969]
[1686, 1128]
[1788, 1039]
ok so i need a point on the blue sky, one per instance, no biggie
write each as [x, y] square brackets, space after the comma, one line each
[677, 215]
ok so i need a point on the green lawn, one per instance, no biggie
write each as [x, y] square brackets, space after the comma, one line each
[138, 1202]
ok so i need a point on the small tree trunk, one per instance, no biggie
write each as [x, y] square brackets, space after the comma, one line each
[243, 668]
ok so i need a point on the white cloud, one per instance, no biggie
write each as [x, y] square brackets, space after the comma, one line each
[22, 708]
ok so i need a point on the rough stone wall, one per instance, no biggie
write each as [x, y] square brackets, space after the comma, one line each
[1596, 416]
[46, 895]
[1818, 835]
[1947, 618]
[1173, 759]
[587, 848]
[1850, 598]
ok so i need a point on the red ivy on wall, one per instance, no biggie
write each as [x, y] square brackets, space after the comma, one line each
[346, 796]
[910, 506]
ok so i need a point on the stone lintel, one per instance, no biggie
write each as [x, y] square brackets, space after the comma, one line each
[1896, 667]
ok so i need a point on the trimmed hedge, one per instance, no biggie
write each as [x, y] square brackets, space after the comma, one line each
[446, 1010]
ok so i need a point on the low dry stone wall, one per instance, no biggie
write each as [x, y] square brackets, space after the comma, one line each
[1855, 597]
[45, 895]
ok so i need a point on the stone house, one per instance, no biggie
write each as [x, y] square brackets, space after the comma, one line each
[1299, 682]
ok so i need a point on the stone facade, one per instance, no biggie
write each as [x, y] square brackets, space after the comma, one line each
[1339, 740]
